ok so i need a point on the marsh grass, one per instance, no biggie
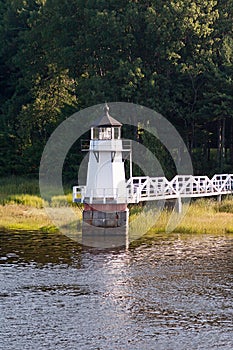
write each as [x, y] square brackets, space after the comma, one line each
[62, 201]
[21, 207]
[24, 199]
[203, 216]
[18, 185]
[18, 190]
[20, 217]
[225, 206]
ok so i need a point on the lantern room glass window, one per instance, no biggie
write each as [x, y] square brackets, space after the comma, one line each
[117, 133]
[105, 133]
[95, 134]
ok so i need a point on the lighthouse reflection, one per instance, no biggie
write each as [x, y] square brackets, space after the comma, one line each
[104, 237]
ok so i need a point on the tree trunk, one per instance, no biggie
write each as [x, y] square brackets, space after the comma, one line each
[231, 141]
[221, 142]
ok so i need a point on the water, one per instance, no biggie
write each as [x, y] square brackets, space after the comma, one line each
[174, 292]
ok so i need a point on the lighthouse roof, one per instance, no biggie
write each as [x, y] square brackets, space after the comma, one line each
[106, 119]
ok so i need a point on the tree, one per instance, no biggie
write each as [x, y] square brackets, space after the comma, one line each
[173, 56]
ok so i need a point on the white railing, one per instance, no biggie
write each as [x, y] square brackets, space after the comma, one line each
[79, 193]
[142, 188]
[146, 188]
[181, 186]
[99, 195]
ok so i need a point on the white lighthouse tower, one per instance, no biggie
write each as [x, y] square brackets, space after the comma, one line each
[105, 196]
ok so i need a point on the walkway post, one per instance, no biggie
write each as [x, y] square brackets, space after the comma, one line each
[179, 205]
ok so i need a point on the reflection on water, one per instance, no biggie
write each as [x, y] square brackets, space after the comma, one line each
[36, 247]
[104, 238]
[174, 292]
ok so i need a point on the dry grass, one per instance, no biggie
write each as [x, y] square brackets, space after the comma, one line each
[22, 208]
[203, 216]
[21, 217]
[206, 223]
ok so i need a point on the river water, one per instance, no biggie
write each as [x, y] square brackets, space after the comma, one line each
[171, 293]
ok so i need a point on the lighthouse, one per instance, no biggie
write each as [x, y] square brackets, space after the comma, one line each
[107, 192]
[105, 196]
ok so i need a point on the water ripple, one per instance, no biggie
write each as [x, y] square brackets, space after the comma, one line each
[172, 292]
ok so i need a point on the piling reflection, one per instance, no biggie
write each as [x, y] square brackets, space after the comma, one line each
[104, 237]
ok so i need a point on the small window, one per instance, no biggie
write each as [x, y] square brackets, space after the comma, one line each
[95, 134]
[105, 133]
[116, 133]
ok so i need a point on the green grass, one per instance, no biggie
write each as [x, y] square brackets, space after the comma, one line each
[225, 206]
[18, 185]
[62, 201]
[37, 202]
[24, 199]
[18, 190]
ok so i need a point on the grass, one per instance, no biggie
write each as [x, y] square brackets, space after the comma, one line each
[24, 199]
[18, 185]
[21, 207]
[20, 217]
[18, 190]
[202, 216]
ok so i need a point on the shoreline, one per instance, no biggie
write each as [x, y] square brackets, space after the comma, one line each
[203, 216]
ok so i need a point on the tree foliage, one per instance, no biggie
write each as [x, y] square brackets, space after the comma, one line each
[174, 56]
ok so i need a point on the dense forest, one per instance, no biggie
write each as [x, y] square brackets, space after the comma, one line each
[60, 56]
